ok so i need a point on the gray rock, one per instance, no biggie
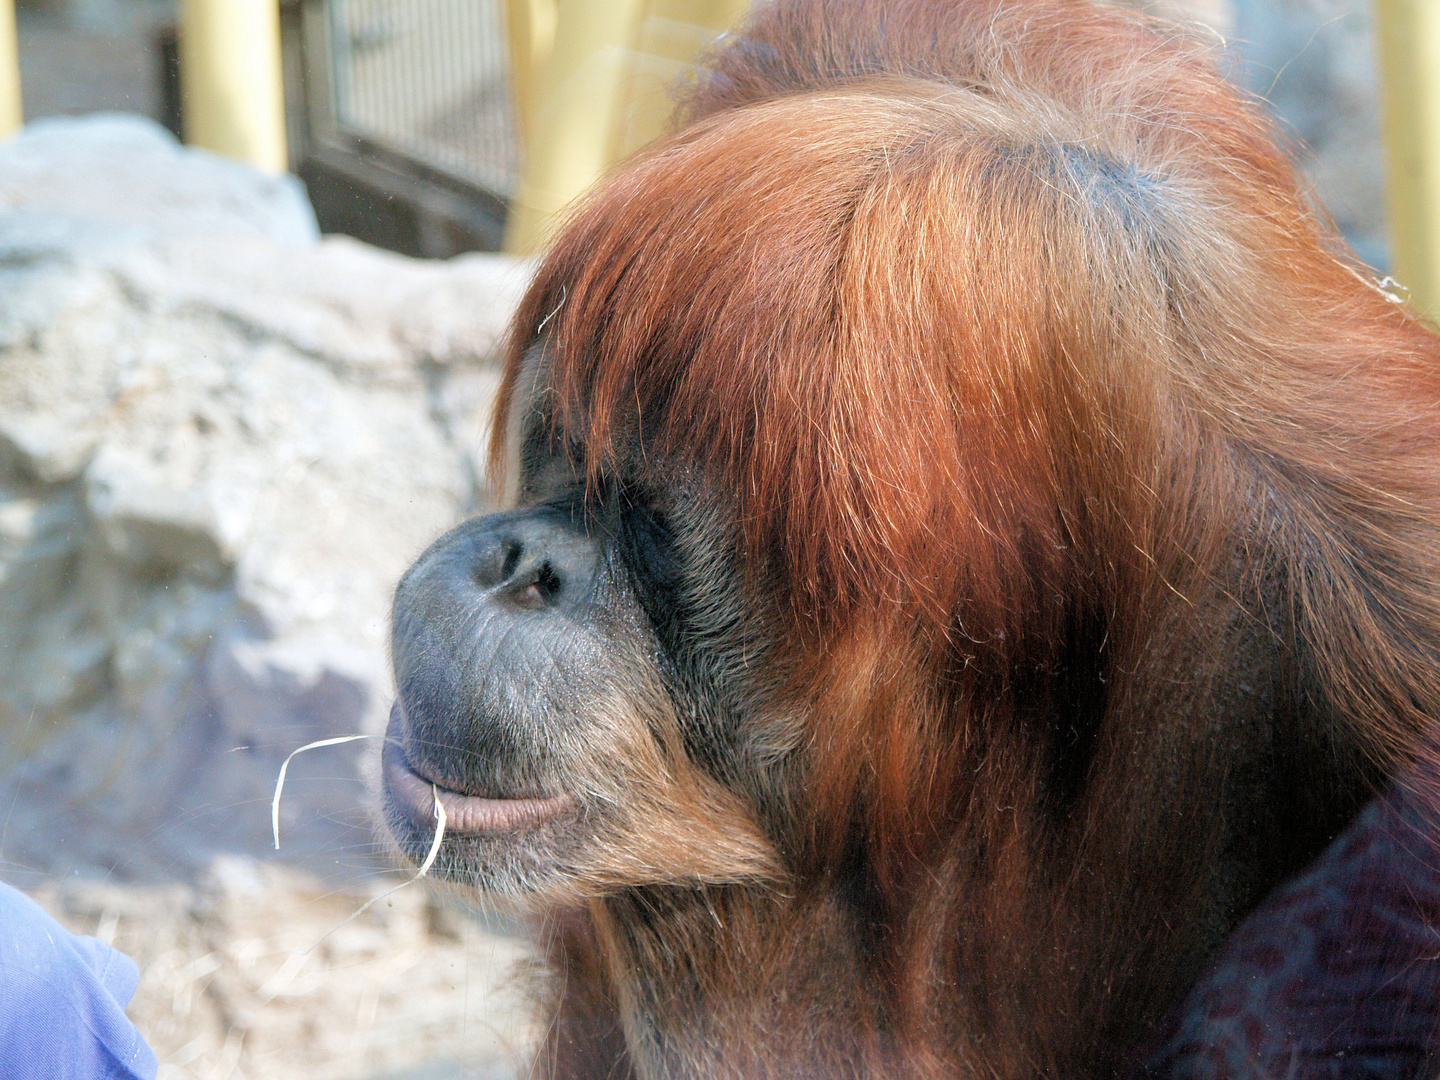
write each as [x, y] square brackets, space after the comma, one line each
[221, 442]
[117, 167]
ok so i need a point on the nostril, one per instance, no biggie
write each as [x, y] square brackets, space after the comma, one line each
[521, 563]
[496, 564]
[512, 560]
[547, 582]
[536, 590]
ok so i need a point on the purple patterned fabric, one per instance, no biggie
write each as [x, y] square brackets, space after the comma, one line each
[1336, 976]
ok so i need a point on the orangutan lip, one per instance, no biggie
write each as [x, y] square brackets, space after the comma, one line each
[465, 815]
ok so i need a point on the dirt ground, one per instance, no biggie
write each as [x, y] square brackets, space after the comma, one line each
[240, 982]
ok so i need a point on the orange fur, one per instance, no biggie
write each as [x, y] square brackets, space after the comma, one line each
[1037, 389]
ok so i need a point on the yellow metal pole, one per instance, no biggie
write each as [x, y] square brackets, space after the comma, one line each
[1408, 34]
[602, 91]
[230, 79]
[567, 140]
[665, 47]
[11, 113]
[530, 30]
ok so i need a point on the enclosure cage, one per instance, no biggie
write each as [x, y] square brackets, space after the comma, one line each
[400, 119]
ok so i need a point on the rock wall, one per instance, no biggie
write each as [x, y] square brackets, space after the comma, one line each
[222, 439]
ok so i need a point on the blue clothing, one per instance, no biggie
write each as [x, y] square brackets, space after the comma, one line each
[62, 1001]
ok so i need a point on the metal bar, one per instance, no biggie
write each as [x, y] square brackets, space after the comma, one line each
[11, 113]
[530, 33]
[1408, 35]
[231, 82]
[598, 95]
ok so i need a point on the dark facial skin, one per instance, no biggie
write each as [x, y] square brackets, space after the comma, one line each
[555, 690]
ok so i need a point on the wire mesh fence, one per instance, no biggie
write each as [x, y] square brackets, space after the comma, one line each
[426, 79]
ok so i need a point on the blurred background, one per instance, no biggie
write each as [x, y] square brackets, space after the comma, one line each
[404, 121]
[244, 383]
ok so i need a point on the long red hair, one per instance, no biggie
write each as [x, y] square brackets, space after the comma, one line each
[1039, 390]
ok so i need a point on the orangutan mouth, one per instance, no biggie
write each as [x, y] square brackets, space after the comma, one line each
[465, 814]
